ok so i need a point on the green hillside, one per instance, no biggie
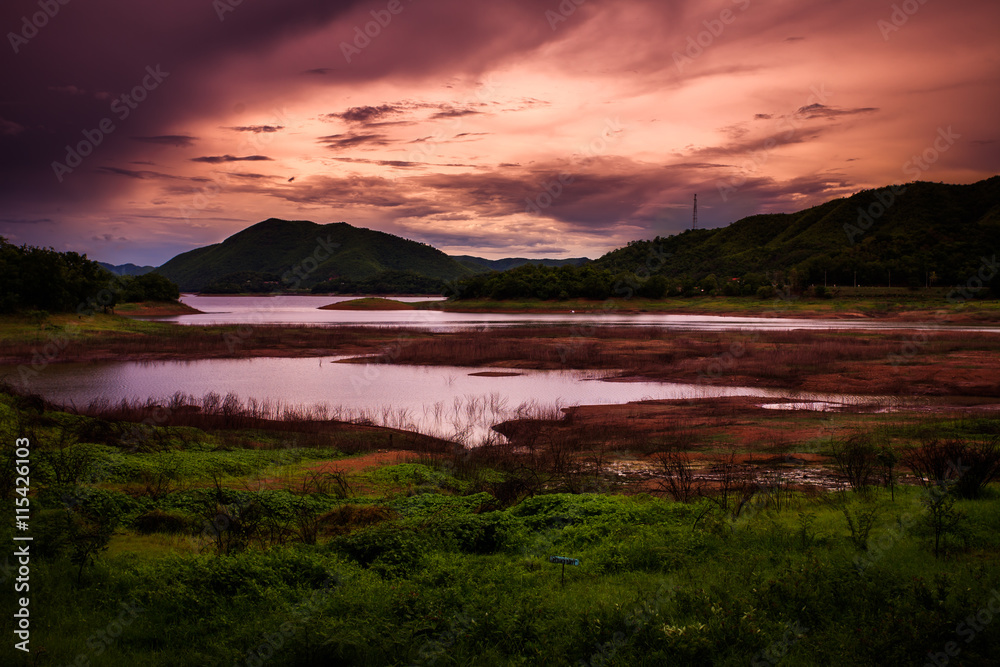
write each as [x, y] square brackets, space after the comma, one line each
[305, 253]
[913, 235]
[928, 230]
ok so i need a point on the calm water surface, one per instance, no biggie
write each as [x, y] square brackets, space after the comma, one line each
[305, 310]
[441, 400]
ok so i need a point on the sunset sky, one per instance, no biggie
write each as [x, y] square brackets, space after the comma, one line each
[444, 125]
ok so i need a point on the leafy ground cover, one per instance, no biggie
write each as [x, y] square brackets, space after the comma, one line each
[247, 546]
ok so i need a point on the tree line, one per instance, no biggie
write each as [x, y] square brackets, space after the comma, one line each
[384, 282]
[44, 279]
[533, 281]
[665, 268]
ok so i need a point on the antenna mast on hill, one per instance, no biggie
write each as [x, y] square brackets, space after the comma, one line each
[694, 220]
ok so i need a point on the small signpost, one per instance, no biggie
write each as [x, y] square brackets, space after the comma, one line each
[564, 562]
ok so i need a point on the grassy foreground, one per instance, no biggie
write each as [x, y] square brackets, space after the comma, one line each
[249, 543]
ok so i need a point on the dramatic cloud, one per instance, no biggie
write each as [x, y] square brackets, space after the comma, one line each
[351, 139]
[145, 174]
[257, 129]
[216, 159]
[176, 140]
[365, 114]
[823, 111]
[455, 113]
[507, 128]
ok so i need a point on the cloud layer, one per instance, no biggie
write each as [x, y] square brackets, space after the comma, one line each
[507, 128]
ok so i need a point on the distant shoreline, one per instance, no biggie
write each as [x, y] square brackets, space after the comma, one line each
[155, 309]
[845, 309]
[324, 295]
[891, 307]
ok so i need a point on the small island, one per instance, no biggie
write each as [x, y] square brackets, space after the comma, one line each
[369, 303]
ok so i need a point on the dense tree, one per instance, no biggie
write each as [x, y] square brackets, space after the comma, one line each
[385, 282]
[45, 280]
[244, 282]
[149, 287]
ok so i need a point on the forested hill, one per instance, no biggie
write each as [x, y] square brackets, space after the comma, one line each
[901, 235]
[305, 253]
[928, 228]
[904, 235]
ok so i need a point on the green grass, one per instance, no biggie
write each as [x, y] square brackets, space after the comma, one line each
[18, 328]
[447, 575]
[446, 584]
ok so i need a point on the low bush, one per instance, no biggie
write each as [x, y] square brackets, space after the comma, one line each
[159, 521]
[347, 518]
[390, 550]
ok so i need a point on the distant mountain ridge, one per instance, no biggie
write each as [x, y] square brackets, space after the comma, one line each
[480, 264]
[127, 269]
[903, 234]
[305, 253]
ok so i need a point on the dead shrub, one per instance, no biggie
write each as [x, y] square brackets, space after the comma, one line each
[966, 467]
[678, 480]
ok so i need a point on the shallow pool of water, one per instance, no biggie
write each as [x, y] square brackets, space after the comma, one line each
[447, 401]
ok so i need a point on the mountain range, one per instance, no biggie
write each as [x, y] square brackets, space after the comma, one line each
[300, 253]
[127, 269]
[305, 253]
[911, 231]
[478, 264]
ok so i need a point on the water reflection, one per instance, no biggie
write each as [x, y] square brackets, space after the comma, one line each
[305, 310]
[458, 403]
